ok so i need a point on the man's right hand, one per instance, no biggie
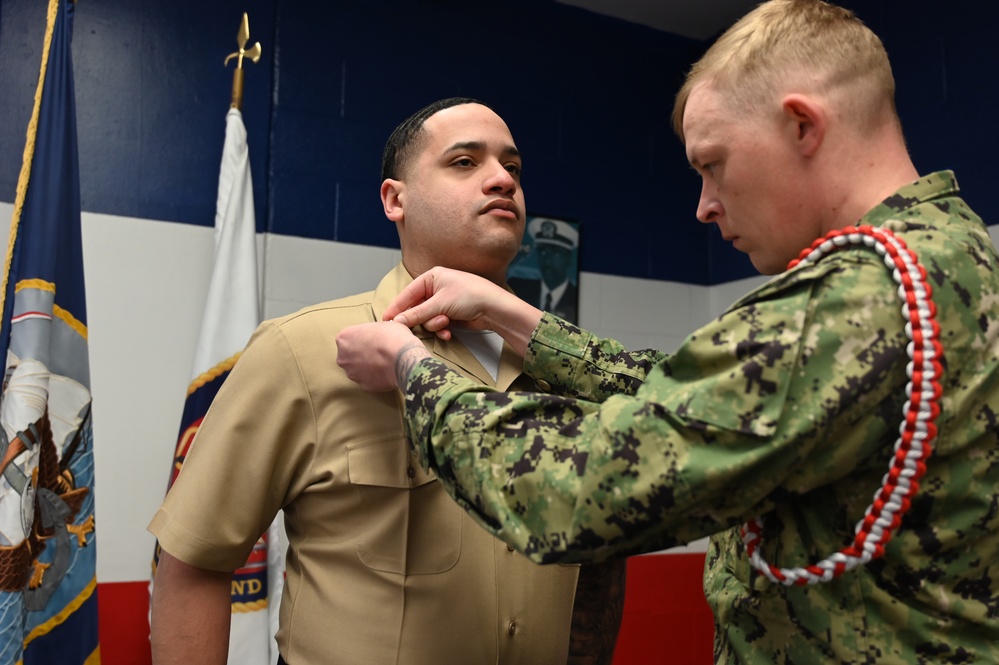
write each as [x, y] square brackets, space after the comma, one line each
[378, 356]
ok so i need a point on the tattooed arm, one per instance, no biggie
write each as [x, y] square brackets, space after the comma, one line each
[596, 612]
[408, 356]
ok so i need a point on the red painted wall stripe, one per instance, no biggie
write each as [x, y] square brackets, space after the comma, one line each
[123, 613]
[666, 619]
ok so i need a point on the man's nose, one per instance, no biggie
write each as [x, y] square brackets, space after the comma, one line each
[499, 179]
[709, 208]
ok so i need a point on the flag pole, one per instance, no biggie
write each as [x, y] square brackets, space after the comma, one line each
[253, 53]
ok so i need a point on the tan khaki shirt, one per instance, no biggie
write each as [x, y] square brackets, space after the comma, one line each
[382, 566]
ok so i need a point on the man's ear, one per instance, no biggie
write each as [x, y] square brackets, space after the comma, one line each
[392, 199]
[807, 119]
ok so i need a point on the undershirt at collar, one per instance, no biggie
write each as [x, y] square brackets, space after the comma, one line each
[485, 345]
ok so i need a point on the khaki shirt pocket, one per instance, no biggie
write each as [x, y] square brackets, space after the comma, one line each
[414, 528]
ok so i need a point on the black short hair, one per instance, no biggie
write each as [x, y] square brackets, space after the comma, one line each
[403, 142]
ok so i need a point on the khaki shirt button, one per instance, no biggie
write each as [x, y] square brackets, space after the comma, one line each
[544, 385]
[410, 471]
[509, 548]
[513, 627]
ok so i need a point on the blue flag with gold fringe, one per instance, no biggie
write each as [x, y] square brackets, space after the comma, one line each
[48, 585]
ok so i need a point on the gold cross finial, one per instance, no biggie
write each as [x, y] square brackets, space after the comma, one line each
[253, 53]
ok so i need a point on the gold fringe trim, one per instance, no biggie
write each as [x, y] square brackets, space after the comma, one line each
[213, 373]
[59, 618]
[58, 312]
[70, 321]
[94, 658]
[35, 283]
[256, 606]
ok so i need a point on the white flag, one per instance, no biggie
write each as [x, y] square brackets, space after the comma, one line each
[232, 313]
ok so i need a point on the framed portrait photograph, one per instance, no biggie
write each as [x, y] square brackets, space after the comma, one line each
[545, 272]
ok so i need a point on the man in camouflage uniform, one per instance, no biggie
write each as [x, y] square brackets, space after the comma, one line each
[786, 407]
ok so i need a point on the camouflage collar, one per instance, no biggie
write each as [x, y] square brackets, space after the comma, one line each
[933, 186]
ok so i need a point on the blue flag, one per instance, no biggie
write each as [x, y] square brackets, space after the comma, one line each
[48, 585]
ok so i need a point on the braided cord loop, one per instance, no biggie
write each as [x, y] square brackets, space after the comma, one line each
[917, 430]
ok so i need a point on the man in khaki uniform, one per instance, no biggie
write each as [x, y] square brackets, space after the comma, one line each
[381, 564]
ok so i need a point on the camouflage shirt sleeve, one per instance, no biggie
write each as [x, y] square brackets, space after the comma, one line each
[566, 360]
[712, 436]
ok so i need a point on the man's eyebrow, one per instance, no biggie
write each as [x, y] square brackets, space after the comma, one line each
[697, 164]
[510, 150]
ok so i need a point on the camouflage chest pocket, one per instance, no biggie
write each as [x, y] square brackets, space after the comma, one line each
[412, 526]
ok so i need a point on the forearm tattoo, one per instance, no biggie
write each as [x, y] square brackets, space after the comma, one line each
[596, 613]
[408, 356]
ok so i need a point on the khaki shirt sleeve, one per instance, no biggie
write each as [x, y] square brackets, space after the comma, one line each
[258, 436]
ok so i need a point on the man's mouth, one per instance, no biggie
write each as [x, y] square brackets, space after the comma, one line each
[501, 208]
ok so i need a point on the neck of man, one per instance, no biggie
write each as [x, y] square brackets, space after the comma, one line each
[863, 177]
[495, 274]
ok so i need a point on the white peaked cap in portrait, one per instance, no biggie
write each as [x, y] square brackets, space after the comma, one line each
[553, 232]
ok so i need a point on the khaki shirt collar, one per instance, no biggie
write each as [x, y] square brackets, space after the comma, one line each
[454, 353]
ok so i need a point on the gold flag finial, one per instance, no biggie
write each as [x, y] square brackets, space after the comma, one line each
[253, 53]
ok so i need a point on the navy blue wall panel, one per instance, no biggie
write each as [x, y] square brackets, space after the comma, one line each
[587, 97]
[944, 57]
[151, 100]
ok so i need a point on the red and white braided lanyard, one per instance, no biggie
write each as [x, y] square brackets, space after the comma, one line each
[917, 430]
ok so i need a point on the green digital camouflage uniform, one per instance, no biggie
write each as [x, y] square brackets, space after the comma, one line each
[787, 406]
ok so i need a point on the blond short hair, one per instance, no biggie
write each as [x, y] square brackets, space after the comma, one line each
[807, 44]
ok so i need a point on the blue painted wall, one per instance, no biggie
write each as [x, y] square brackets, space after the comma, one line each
[944, 56]
[587, 98]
